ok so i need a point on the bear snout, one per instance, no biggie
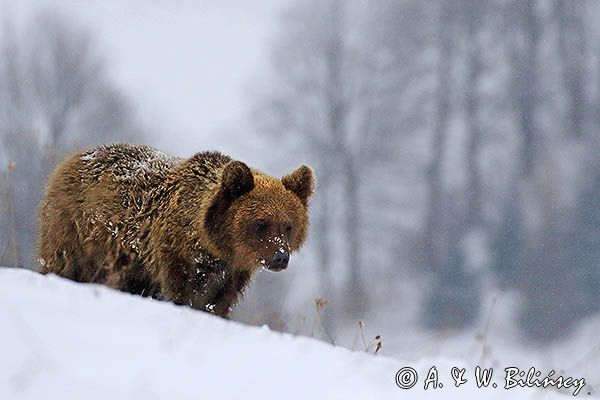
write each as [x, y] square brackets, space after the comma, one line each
[280, 260]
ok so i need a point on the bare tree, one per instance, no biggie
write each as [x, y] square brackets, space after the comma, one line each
[337, 91]
[522, 34]
[55, 95]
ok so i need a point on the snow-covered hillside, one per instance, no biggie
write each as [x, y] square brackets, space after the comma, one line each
[63, 340]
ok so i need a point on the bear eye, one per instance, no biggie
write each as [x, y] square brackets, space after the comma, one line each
[261, 227]
[288, 228]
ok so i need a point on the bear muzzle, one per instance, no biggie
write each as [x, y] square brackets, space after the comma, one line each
[280, 260]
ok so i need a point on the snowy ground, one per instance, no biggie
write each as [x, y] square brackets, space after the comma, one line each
[62, 340]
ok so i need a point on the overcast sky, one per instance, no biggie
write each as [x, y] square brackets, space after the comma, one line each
[186, 64]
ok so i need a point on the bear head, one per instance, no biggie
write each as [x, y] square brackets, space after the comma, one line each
[255, 220]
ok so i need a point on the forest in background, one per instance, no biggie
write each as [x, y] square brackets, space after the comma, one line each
[455, 143]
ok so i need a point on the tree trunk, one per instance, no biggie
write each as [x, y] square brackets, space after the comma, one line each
[524, 70]
[337, 116]
[434, 230]
[472, 101]
[571, 44]
[354, 288]
[322, 232]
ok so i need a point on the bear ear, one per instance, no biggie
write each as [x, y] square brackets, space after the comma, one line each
[301, 182]
[236, 180]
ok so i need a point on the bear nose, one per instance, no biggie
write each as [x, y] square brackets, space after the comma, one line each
[280, 259]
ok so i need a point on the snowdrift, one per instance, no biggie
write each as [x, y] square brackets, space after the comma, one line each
[63, 340]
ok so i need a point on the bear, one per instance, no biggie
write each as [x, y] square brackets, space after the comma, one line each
[191, 231]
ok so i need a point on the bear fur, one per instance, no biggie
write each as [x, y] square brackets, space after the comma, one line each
[192, 231]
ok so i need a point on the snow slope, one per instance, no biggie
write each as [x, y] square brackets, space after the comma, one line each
[63, 340]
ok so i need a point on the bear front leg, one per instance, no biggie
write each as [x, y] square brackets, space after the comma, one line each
[184, 283]
[206, 286]
[230, 293]
[174, 280]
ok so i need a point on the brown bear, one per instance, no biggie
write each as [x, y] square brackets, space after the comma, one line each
[192, 231]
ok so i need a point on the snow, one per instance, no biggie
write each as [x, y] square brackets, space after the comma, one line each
[64, 340]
